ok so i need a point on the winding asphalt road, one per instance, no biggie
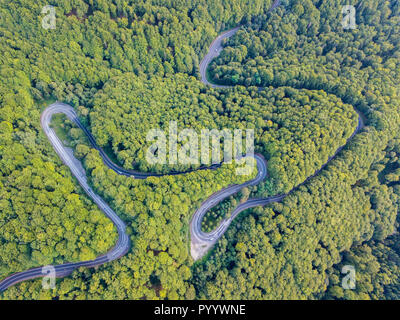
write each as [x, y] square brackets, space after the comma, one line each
[201, 242]
[77, 170]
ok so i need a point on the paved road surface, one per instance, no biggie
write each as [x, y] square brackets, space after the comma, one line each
[213, 51]
[76, 168]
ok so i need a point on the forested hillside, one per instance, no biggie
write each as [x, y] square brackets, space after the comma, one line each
[127, 66]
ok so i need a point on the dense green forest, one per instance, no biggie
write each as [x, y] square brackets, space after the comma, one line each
[296, 130]
[356, 199]
[128, 66]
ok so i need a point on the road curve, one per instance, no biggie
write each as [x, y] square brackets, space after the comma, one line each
[213, 51]
[123, 242]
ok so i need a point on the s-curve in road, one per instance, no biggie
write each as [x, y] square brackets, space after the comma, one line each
[66, 155]
[201, 241]
[76, 168]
